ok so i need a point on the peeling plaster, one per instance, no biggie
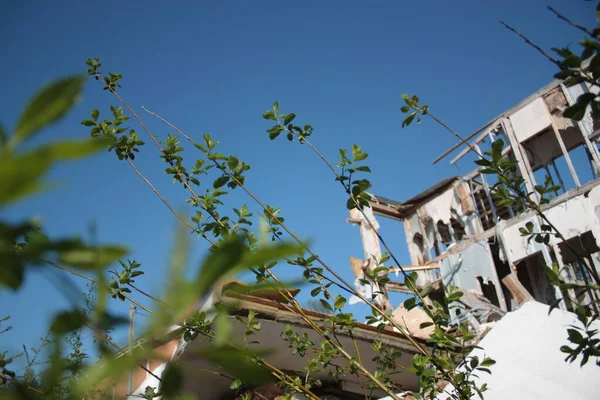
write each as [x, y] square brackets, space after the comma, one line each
[443, 207]
[462, 269]
[518, 247]
[571, 218]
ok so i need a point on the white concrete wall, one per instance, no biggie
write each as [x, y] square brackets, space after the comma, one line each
[518, 247]
[529, 364]
[572, 218]
[530, 120]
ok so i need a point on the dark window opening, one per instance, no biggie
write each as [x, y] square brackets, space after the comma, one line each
[545, 154]
[445, 234]
[530, 272]
[503, 270]
[576, 254]
[487, 205]
[418, 241]
[458, 228]
[489, 291]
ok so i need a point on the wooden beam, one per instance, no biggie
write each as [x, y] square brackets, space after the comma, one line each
[514, 285]
[410, 268]
[563, 148]
[394, 286]
[522, 160]
[386, 211]
[357, 266]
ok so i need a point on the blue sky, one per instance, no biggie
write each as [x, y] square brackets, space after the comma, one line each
[217, 66]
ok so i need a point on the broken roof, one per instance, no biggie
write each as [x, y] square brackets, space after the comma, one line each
[404, 208]
[274, 312]
[506, 113]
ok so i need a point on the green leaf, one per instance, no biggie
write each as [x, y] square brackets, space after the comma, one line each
[355, 151]
[3, 136]
[270, 115]
[48, 106]
[497, 148]
[339, 302]
[289, 118]
[426, 290]
[361, 157]
[575, 112]
[407, 121]
[223, 329]
[487, 362]
[12, 273]
[219, 182]
[238, 363]
[92, 257]
[326, 305]
[483, 162]
[220, 263]
[455, 296]
[410, 303]
[73, 149]
[68, 321]
[236, 384]
[575, 336]
[20, 175]
[171, 381]
[233, 162]
[529, 226]
[95, 114]
[554, 305]
[274, 131]
[276, 107]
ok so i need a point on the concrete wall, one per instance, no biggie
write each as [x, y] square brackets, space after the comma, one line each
[530, 120]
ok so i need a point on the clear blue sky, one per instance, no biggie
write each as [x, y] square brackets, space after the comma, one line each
[215, 66]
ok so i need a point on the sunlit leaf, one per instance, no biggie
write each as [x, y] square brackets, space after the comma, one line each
[221, 262]
[21, 175]
[48, 106]
[223, 329]
[92, 257]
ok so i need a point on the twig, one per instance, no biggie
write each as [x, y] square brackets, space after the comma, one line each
[116, 346]
[572, 23]
[95, 281]
[160, 196]
[529, 42]
[146, 294]
[153, 138]
[300, 242]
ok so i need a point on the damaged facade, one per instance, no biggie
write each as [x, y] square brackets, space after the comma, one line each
[458, 234]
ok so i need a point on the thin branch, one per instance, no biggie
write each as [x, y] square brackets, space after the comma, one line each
[146, 294]
[572, 23]
[155, 141]
[265, 209]
[301, 243]
[116, 346]
[95, 281]
[8, 378]
[529, 42]
[160, 196]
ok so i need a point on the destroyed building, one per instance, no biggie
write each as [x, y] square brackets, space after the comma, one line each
[458, 234]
